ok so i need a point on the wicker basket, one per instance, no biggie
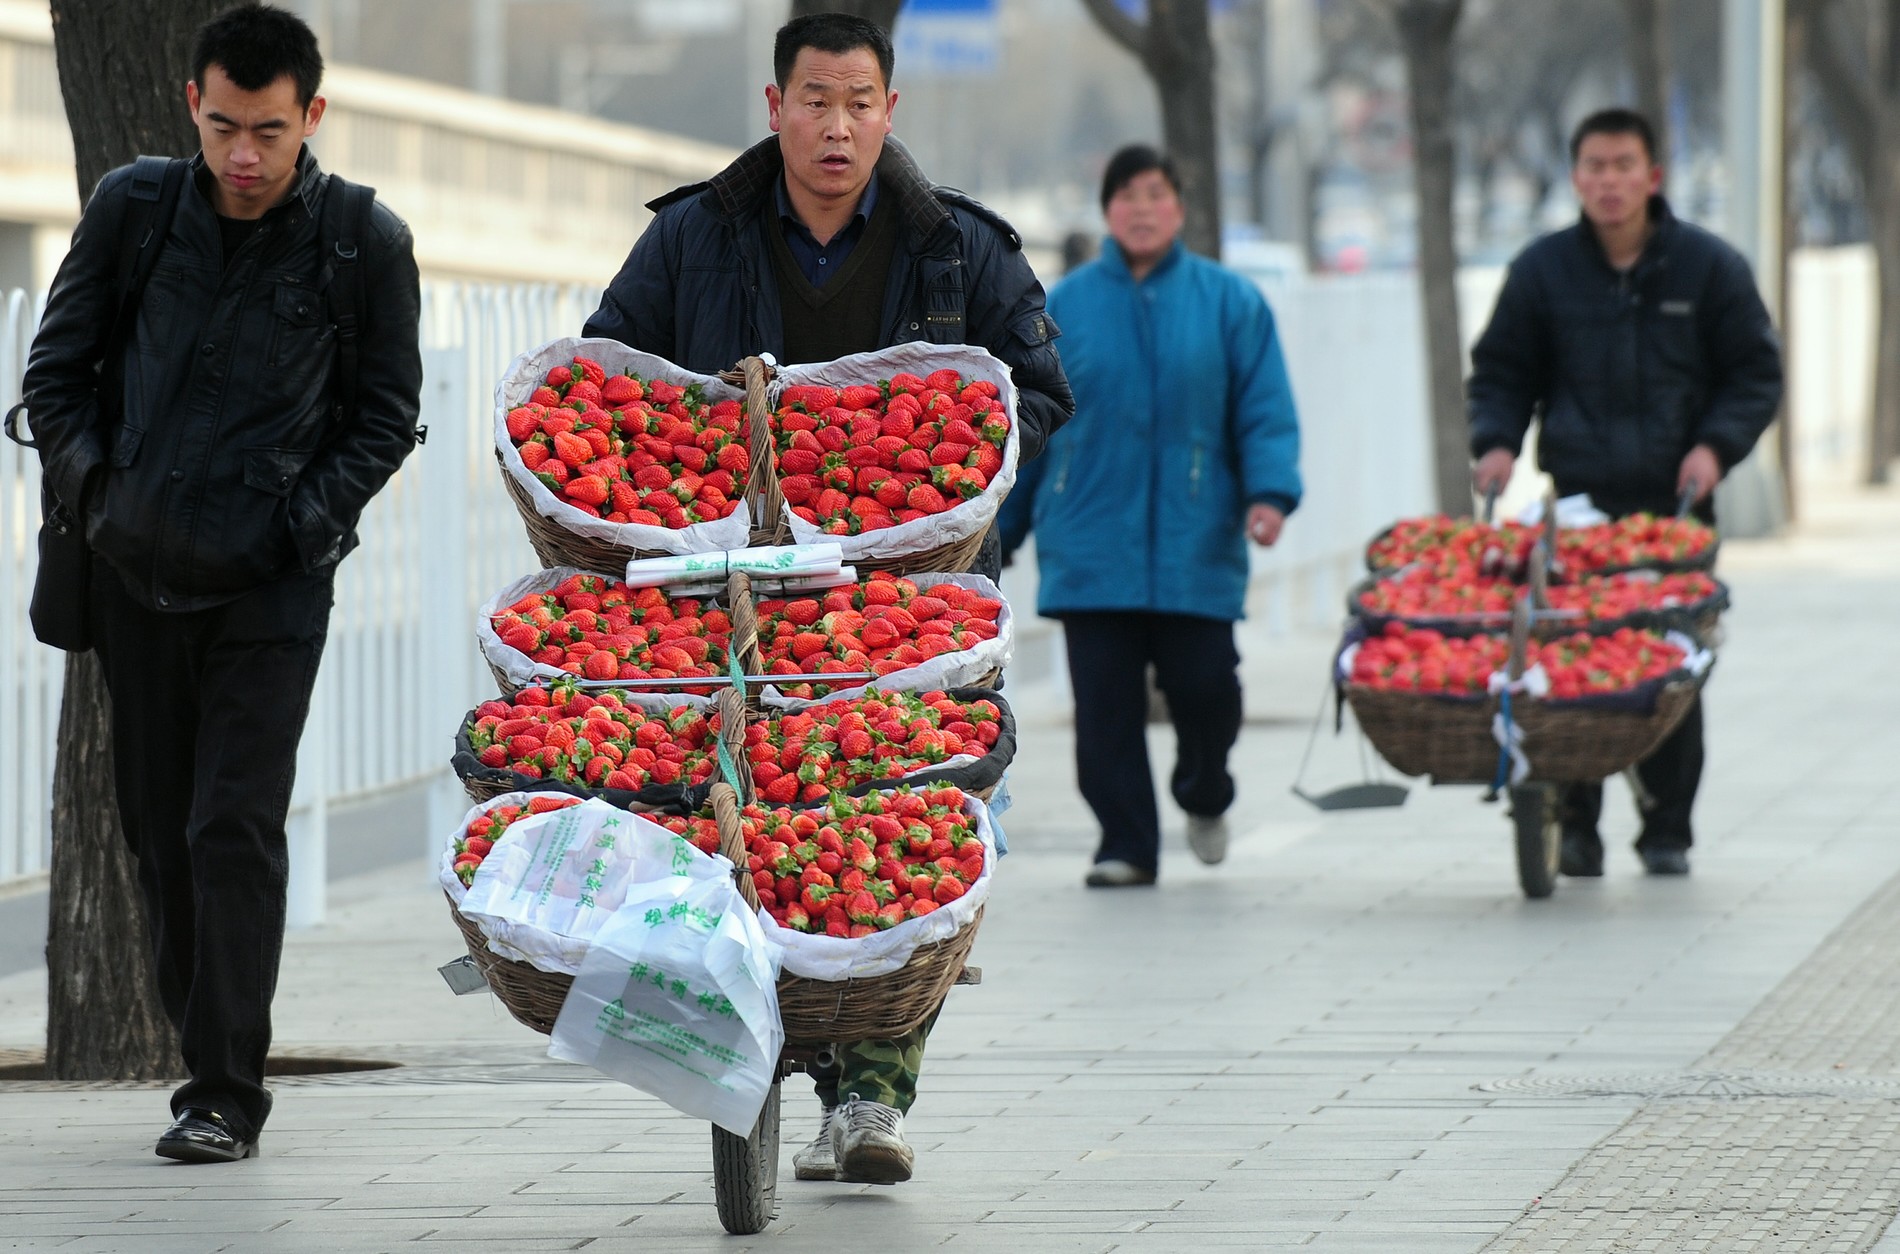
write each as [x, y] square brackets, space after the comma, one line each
[485, 783]
[743, 642]
[1450, 739]
[825, 1012]
[1698, 619]
[531, 995]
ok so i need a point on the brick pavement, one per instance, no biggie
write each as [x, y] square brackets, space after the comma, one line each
[1312, 1046]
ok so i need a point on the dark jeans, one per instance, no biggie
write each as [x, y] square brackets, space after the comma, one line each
[207, 710]
[1673, 772]
[1196, 667]
[1670, 774]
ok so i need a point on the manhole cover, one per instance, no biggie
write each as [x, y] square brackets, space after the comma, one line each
[1710, 1084]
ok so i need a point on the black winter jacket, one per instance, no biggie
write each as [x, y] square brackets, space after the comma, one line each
[1627, 372]
[698, 287]
[230, 465]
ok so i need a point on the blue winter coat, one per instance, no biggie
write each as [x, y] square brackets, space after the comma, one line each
[1183, 418]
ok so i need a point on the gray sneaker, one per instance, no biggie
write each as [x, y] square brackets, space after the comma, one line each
[1207, 837]
[816, 1161]
[867, 1140]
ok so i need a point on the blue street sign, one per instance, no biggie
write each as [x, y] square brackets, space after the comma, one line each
[947, 39]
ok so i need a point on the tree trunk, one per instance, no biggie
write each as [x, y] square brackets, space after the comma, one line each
[104, 1020]
[883, 12]
[1425, 32]
[1175, 48]
[1858, 74]
[1181, 62]
[1649, 63]
[122, 71]
[1883, 424]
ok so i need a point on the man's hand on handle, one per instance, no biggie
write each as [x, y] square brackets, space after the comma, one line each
[1263, 525]
[1701, 468]
[1493, 471]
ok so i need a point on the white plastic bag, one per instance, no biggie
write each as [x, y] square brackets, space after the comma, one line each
[679, 998]
[553, 880]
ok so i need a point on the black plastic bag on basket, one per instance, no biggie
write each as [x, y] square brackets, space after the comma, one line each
[675, 798]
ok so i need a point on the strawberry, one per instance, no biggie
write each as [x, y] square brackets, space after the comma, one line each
[926, 499]
[733, 459]
[588, 489]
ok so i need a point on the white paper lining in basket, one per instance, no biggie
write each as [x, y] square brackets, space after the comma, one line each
[522, 671]
[953, 525]
[842, 958]
[526, 373]
[947, 670]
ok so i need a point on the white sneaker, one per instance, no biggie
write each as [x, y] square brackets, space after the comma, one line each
[867, 1140]
[1114, 873]
[816, 1161]
[1207, 837]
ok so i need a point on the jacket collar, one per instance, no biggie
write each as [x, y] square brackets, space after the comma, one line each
[305, 188]
[750, 183]
[1662, 221]
[1116, 262]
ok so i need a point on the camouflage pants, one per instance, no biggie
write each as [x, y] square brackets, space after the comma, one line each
[878, 1071]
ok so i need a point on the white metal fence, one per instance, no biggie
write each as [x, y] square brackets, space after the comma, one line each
[402, 667]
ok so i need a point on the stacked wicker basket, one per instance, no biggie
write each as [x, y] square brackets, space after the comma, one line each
[1452, 738]
[816, 1014]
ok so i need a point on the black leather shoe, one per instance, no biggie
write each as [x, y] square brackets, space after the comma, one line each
[1663, 860]
[202, 1136]
[1580, 855]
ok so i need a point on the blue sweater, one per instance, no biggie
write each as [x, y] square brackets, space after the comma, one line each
[1183, 417]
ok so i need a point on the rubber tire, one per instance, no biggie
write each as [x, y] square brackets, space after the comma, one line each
[745, 1171]
[1539, 838]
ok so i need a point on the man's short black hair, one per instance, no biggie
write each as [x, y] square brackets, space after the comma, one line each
[835, 33]
[257, 44]
[1614, 122]
[1130, 164]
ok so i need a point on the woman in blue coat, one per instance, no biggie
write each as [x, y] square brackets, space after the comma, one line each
[1184, 446]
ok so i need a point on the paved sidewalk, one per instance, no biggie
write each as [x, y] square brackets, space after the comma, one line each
[1354, 1036]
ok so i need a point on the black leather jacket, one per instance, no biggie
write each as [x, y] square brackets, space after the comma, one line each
[1627, 372]
[231, 464]
[698, 288]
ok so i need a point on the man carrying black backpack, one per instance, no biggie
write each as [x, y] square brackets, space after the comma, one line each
[226, 373]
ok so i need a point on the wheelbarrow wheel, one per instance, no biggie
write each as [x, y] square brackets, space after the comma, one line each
[745, 1171]
[1534, 817]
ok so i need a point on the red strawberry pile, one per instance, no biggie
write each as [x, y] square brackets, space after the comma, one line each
[486, 828]
[1444, 543]
[866, 457]
[593, 738]
[1419, 660]
[1420, 592]
[887, 735]
[882, 625]
[1636, 540]
[858, 865]
[1450, 547]
[632, 450]
[598, 628]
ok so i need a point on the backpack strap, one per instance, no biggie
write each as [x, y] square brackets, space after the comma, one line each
[151, 205]
[345, 225]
